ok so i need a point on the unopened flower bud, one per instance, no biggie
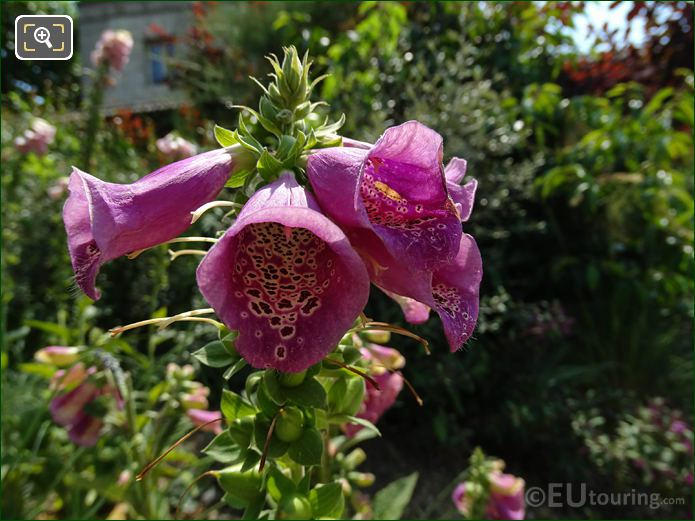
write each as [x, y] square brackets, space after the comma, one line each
[240, 485]
[291, 379]
[355, 458]
[295, 506]
[361, 479]
[194, 401]
[290, 424]
[60, 356]
[345, 485]
[378, 337]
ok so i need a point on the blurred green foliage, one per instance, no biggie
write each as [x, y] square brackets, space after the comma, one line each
[584, 217]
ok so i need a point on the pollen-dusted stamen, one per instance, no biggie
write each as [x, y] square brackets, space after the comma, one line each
[209, 206]
[135, 254]
[189, 316]
[175, 254]
[383, 326]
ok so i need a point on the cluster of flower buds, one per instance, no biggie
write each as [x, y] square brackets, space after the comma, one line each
[84, 394]
[36, 138]
[488, 493]
[174, 148]
[191, 396]
[113, 49]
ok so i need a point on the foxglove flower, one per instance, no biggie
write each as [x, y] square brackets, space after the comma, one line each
[68, 409]
[175, 147]
[37, 138]
[377, 402]
[395, 189]
[383, 360]
[201, 417]
[107, 220]
[113, 49]
[402, 211]
[57, 190]
[506, 497]
[451, 290]
[85, 430]
[196, 399]
[286, 278]
[462, 497]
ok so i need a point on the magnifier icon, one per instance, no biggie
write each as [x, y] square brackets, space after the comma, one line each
[43, 35]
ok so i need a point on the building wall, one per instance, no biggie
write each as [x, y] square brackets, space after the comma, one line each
[135, 89]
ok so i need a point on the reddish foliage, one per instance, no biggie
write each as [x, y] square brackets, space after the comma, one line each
[668, 46]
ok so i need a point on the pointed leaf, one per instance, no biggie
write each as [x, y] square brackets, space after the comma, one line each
[327, 501]
[390, 501]
[308, 449]
[234, 406]
[224, 137]
[215, 354]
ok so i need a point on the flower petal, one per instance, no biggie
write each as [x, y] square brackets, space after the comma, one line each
[463, 196]
[334, 175]
[104, 220]
[415, 312]
[455, 290]
[286, 277]
[85, 430]
[452, 290]
[455, 171]
[403, 190]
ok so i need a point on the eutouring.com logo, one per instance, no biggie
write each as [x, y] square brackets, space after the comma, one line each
[576, 495]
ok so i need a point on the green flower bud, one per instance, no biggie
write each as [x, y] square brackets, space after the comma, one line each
[291, 379]
[241, 431]
[345, 485]
[245, 486]
[361, 479]
[355, 458]
[289, 425]
[378, 337]
[295, 506]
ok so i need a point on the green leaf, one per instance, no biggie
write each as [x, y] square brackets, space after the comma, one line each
[272, 387]
[390, 501]
[337, 419]
[241, 431]
[279, 485]
[344, 443]
[224, 137]
[44, 370]
[253, 510]
[268, 166]
[224, 449]
[276, 447]
[251, 460]
[310, 393]
[308, 449]
[327, 501]
[214, 354]
[49, 327]
[237, 179]
[234, 369]
[234, 406]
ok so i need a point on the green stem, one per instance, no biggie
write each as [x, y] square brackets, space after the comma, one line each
[96, 99]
